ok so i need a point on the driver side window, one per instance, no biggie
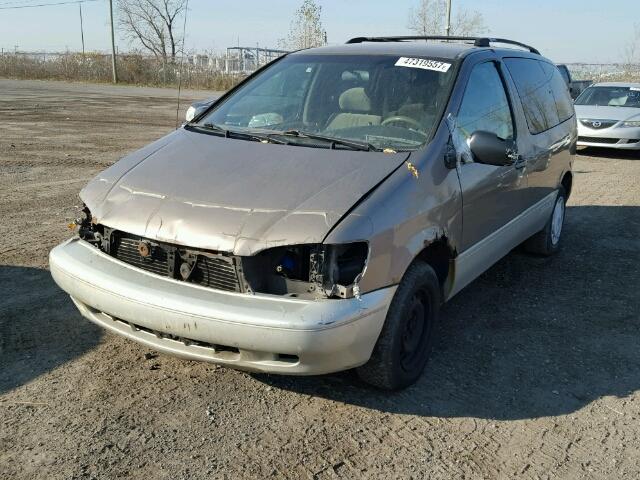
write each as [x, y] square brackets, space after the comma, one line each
[485, 105]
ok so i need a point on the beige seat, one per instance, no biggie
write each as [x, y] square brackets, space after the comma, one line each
[618, 101]
[355, 108]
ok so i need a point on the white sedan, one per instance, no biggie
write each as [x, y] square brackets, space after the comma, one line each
[609, 116]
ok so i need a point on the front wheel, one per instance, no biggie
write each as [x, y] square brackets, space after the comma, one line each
[404, 345]
[547, 241]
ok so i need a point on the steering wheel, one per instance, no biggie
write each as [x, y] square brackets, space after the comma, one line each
[413, 124]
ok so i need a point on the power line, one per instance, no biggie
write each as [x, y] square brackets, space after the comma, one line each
[30, 3]
[18, 2]
[48, 4]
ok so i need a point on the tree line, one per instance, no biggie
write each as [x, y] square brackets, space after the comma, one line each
[155, 25]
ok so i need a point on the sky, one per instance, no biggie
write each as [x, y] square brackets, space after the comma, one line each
[566, 31]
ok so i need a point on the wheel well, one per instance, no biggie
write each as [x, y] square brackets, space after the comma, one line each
[438, 255]
[567, 182]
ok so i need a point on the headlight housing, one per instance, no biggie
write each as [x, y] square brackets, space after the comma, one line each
[631, 124]
[88, 229]
[308, 270]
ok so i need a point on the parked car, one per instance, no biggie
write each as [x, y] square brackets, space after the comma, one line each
[609, 116]
[315, 217]
[576, 87]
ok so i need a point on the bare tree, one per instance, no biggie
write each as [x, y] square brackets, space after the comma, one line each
[429, 17]
[153, 24]
[468, 23]
[631, 52]
[306, 29]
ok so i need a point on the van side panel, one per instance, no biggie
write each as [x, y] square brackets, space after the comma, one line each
[548, 155]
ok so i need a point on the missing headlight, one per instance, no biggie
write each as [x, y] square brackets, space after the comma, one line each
[342, 266]
[314, 270]
[88, 230]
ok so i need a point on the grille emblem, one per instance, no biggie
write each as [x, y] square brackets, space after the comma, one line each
[596, 124]
[144, 249]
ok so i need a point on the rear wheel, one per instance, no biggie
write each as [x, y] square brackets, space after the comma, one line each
[547, 241]
[404, 345]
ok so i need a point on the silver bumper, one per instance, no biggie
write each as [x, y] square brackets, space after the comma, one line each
[614, 137]
[265, 333]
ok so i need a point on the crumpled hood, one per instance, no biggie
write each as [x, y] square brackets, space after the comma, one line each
[607, 113]
[238, 196]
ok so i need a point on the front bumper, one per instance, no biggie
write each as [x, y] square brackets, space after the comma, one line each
[613, 137]
[266, 333]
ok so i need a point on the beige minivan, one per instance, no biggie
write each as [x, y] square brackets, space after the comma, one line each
[315, 217]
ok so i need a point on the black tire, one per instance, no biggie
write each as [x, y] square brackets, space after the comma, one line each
[544, 242]
[404, 345]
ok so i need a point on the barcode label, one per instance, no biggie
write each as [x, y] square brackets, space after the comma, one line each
[423, 63]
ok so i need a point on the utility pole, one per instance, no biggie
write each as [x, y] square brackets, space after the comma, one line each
[113, 45]
[448, 27]
[81, 28]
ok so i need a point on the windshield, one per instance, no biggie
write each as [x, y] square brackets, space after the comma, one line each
[610, 96]
[381, 101]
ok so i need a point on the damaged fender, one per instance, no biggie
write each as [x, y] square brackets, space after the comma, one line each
[405, 215]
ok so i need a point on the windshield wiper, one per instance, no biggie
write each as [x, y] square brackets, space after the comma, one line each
[353, 144]
[271, 137]
[240, 135]
[214, 127]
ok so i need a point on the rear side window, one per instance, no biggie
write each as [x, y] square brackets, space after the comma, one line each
[534, 90]
[485, 105]
[560, 91]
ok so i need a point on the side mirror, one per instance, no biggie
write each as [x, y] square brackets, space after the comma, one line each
[487, 148]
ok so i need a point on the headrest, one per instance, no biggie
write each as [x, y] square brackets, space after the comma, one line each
[354, 100]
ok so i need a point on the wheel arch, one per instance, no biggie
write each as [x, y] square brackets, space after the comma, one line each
[439, 254]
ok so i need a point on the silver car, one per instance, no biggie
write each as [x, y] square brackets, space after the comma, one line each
[315, 217]
[609, 116]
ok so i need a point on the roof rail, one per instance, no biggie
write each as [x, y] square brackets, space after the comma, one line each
[477, 41]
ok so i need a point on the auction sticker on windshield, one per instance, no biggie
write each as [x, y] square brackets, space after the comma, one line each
[423, 63]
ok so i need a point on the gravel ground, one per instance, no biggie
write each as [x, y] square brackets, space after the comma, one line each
[535, 374]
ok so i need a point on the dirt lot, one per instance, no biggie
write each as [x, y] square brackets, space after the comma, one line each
[536, 374]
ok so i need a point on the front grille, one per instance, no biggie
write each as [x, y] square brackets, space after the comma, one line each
[126, 250]
[220, 273]
[598, 140]
[598, 124]
[208, 269]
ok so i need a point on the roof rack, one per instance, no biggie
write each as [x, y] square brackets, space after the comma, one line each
[477, 41]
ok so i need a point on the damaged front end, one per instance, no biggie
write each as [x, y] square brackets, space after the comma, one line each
[310, 271]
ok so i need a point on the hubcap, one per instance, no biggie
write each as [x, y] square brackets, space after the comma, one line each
[557, 220]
